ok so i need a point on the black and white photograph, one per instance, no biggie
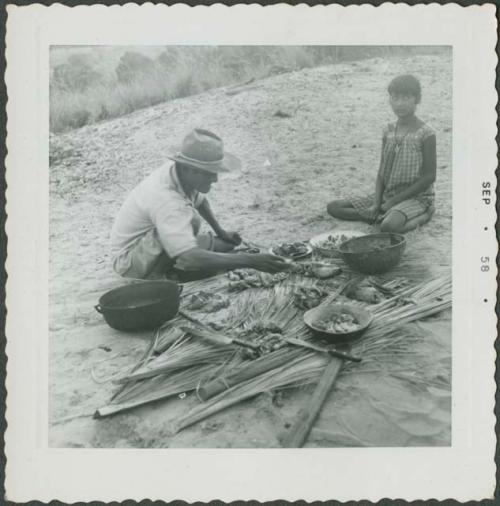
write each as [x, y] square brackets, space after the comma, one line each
[251, 252]
[250, 246]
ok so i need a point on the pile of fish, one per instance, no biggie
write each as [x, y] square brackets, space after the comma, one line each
[266, 335]
[291, 249]
[332, 242]
[372, 291]
[318, 270]
[308, 297]
[339, 324]
[242, 279]
[207, 302]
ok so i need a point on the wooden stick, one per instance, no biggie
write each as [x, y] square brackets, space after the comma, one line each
[244, 373]
[332, 352]
[302, 426]
[144, 375]
[112, 409]
[218, 338]
[194, 320]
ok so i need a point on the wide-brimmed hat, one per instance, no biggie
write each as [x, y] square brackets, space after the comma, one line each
[205, 150]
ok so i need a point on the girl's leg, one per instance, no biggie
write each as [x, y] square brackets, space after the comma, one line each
[406, 216]
[417, 221]
[343, 210]
[394, 221]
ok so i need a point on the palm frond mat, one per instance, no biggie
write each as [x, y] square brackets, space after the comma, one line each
[221, 375]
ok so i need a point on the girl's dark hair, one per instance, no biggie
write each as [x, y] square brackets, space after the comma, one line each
[405, 85]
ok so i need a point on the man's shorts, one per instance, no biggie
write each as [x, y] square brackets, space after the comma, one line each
[146, 258]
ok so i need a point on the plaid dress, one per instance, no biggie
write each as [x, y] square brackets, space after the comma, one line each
[402, 160]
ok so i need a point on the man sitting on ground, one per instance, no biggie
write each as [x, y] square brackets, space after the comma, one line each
[157, 228]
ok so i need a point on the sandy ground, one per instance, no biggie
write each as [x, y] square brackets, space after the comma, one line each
[292, 166]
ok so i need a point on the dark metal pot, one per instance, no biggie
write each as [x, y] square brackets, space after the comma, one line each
[140, 306]
[373, 253]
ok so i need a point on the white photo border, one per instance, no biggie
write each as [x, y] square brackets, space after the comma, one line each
[464, 471]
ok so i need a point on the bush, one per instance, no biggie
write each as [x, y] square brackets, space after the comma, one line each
[169, 59]
[133, 66]
[77, 74]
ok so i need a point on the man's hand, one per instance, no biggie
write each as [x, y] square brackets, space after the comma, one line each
[230, 237]
[269, 263]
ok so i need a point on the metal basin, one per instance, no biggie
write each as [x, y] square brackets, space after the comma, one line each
[373, 253]
[313, 317]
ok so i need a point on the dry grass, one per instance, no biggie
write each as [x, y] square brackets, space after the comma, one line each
[91, 89]
[74, 109]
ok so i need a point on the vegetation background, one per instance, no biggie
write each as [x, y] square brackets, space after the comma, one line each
[93, 83]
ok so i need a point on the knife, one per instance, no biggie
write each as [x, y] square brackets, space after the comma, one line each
[333, 353]
[217, 337]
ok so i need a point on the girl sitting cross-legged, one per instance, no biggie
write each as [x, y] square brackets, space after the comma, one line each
[404, 194]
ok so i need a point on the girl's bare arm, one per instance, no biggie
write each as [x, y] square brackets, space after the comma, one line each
[379, 184]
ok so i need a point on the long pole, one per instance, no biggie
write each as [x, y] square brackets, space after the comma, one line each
[307, 416]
